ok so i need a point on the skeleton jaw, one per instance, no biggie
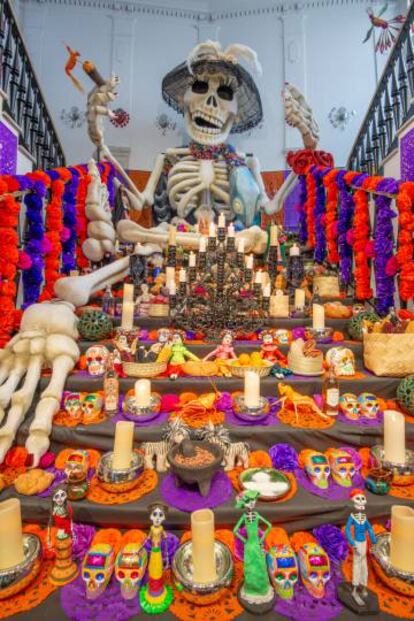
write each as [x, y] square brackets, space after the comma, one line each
[206, 128]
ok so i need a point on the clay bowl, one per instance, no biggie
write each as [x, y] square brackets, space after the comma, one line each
[196, 475]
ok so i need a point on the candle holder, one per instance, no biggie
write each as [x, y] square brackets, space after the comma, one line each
[119, 481]
[378, 480]
[15, 579]
[403, 474]
[319, 335]
[248, 413]
[205, 593]
[142, 413]
[397, 579]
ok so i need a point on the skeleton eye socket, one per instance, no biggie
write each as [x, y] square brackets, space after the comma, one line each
[200, 86]
[225, 92]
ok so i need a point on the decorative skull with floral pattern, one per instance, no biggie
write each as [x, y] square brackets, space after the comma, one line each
[342, 360]
[283, 569]
[130, 566]
[92, 404]
[349, 405]
[317, 468]
[315, 569]
[96, 359]
[343, 467]
[72, 404]
[369, 405]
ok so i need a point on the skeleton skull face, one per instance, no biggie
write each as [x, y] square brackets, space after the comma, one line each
[368, 404]
[342, 466]
[342, 360]
[210, 107]
[96, 359]
[130, 566]
[317, 469]
[72, 404]
[283, 569]
[359, 500]
[282, 336]
[97, 569]
[314, 569]
[158, 514]
[349, 405]
[60, 497]
[92, 405]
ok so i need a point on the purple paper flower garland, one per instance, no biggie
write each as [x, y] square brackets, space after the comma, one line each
[303, 229]
[345, 214]
[37, 245]
[69, 220]
[319, 213]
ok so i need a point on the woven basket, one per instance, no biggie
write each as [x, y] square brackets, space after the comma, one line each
[326, 286]
[144, 369]
[159, 310]
[240, 371]
[389, 354]
[300, 365]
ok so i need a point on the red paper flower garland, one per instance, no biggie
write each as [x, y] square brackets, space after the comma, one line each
[405, 250]
[310, 208]
[331, 224]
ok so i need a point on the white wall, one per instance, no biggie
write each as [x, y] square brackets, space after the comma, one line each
[320, 50]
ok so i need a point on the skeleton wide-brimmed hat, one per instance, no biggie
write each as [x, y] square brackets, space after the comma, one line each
[209, 59]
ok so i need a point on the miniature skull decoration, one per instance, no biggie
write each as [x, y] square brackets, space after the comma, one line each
[60, 497]
[359, 499]
[282, 336]
[369, 405]
[342, 360]
[157, 515]
[317, 468]
[315, 569]
[72, 404]
[96, 359]
[130, 566]
[210, 108]
[92, 404]
[343, 468]
[97, 569]
[349, 405]
[283, 569]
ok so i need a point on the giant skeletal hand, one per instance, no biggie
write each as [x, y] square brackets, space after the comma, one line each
[47, 339]
[298, 113]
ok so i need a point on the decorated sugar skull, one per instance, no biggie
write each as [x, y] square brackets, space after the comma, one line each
[96, 359]
[342, 360]
[97, 569]
[317, 468]
[72, 403]
[369, 405]
[349, 405]
[283, 569]
[282, 336]
[130, 566]
[77, 465]
[92, 404]
[315, 569]
[343, 468]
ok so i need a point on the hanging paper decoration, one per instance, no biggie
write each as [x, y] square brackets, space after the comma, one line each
[388, 29]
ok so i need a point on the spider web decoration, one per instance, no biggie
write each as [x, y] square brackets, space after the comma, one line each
[340, 117]
[164, 124]
[73, 118]
[121, 118]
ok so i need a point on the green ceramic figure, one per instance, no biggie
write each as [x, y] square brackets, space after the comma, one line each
[256, 593]
[179, 354]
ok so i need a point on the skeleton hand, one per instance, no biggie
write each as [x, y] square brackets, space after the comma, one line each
[299, 114]
[47, 337]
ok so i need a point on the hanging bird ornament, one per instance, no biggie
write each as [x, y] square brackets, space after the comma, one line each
[389, 29]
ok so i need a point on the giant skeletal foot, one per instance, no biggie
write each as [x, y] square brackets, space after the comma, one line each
[47, 338]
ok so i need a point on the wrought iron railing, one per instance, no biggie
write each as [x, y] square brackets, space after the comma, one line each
[25, 101]
[390, 107]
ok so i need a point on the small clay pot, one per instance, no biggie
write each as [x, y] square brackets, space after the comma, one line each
[379, 481]
[193, 475]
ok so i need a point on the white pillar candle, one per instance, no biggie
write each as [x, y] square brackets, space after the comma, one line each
[240, 245]
[172, 289]
[274, 235]
[318, 317]
[279, 304]
[182, 276]
[124, 438]
[258, 278]
[11, 538]
[251, 389]
[192, 259]
[202, 245]
[142, 393]
[212, 230]
[127, 320]
[266, 291]
[249, 261]
[294, 251]
[172, 235]
[230, 231]
[402, 538]
[202, 543]
[394, 437]
[169, 276]
[221, 221]
[299, 299]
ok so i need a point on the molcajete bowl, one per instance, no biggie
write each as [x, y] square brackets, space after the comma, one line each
[196, 475]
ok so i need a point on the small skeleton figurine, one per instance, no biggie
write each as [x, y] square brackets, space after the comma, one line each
[356, 531]
[143, 301]
[64, 569]
[61, 514]
[269, 349]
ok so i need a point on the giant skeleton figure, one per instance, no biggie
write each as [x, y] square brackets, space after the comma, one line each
[217, 96]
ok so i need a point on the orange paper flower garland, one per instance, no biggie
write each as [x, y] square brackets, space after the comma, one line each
[360, 241]
[331, 225]
[54, 228]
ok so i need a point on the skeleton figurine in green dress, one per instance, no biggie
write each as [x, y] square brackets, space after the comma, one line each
[256, 593]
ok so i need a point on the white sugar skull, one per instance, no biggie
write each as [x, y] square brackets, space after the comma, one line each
[130, 566]
[315, 569]
[342, 360]
[349, 405]
[283, 569]
[317, 468]
[342, 465]
[210, 108]
[282, 336]
[96, 359]
[369, 405]
[359, 499]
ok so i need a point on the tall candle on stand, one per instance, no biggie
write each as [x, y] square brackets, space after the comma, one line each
[202, 537]
[127, 320]
[251, 389]
[202, 244]
[318, 317]
[11, 538]
[142, 391]
[221, 221]
[394, 437]
[124, 439]
[240, 245]
[402, 538]
[294, 251]
[249, 262]
[172, 236]
[182, 276]
[169, 276]
[212, 230]
[274, 235]
[230, 230]
[299, 299]
[191, 259]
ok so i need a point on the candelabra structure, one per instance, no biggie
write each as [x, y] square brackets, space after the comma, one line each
[220, 289]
